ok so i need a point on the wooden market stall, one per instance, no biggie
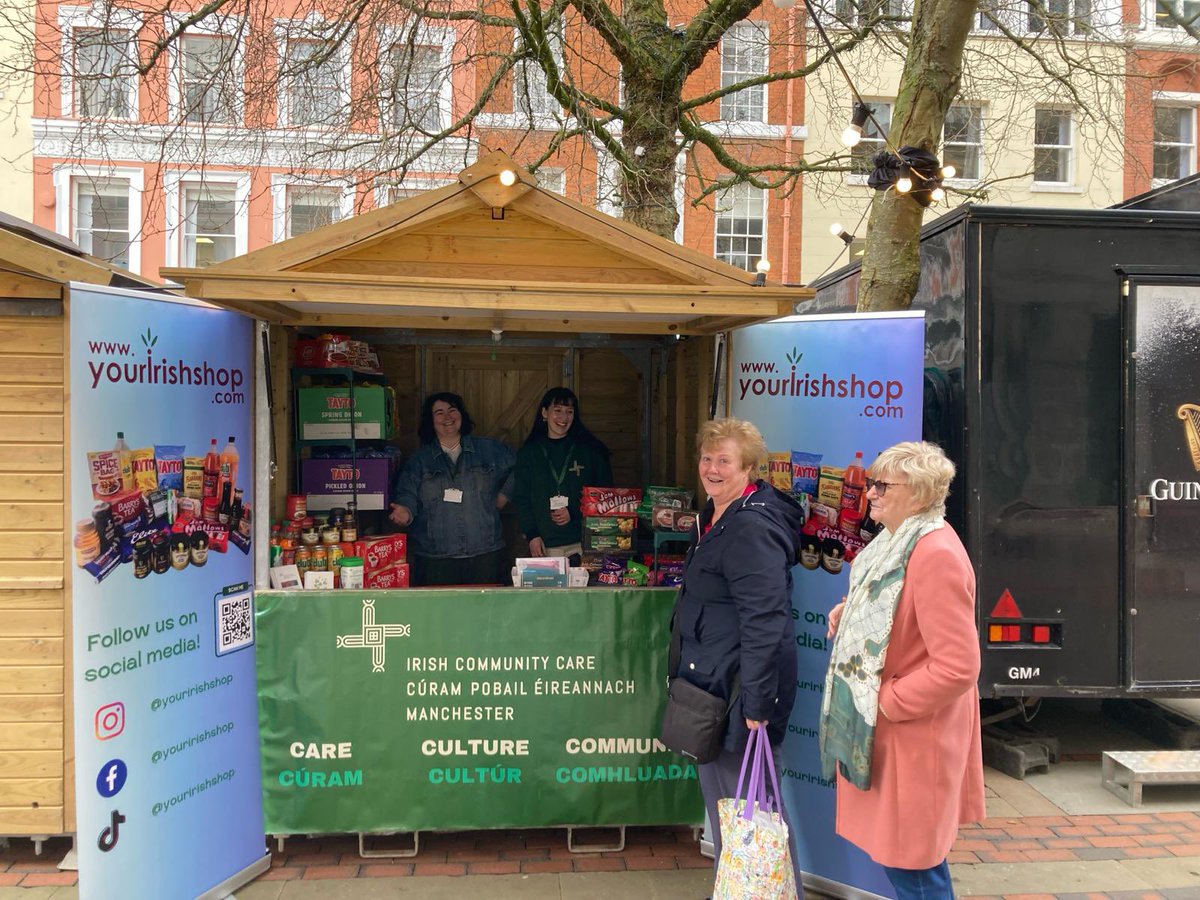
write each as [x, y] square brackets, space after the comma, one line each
[499, 292]
[36, 267]
[496, 292]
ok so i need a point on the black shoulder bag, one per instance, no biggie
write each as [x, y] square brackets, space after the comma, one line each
[694, 720]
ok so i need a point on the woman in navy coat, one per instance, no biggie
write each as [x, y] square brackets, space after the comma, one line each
[735, 605]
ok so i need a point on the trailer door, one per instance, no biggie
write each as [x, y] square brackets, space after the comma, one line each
[1161, 514]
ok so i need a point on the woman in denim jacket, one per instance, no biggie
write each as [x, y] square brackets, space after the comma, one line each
[449, 494]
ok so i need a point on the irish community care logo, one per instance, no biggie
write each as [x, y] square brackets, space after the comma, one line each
[374, 636]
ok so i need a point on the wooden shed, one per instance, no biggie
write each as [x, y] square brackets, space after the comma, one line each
[36, 740]
[499, 291]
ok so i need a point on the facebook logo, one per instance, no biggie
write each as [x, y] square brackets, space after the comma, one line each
[111, 778]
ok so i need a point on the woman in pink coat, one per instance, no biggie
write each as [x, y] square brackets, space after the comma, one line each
[900, 715]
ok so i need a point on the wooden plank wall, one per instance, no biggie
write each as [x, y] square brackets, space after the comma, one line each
[33, 708]
[682, 393]
[610, 391]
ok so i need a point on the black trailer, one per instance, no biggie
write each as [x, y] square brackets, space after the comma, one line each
[1062, 356]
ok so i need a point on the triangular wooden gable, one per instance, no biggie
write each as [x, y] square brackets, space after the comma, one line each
[481, 254]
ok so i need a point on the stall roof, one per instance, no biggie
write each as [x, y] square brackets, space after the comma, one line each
[36, 263]
[479, 255]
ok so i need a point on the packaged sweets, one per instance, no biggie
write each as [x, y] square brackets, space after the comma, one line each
[610, 524]
[145, 474]
[602, 542]
[829, 487]
[636, 574]
[168, 462]
[780, 466]
[667, 496]
[605, 501]
[193, 477]
[104, 468]
[806, 472]
[667, 518]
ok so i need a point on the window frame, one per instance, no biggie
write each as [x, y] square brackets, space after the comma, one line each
[72, 19]
[875, 104]
[960, 177]
[309, 31]
[65, 179]
[174, 183]
[392, 36]
[1078, 27]
[761, 38]
[1069, 147]
[554, 108]
[228, 28]
[1172, 28]
[717, 234]
[1188, 106]
[280, 220]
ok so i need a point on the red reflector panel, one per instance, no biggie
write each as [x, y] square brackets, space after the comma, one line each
[1006, 607]
[1010, 632]
[1041, 634]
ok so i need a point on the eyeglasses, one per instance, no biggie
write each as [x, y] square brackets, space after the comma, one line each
[881, 487]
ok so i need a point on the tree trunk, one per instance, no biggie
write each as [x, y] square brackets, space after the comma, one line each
[651, 105]
[891, 265]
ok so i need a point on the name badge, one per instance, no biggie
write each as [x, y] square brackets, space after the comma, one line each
[558, 501]
[452, 495]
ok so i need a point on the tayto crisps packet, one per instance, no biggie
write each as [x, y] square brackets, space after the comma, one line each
[806, 471]
[145, 475]
[168, 461]
[780, 464]
[193, 477]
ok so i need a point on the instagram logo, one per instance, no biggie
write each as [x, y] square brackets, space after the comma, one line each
[110, 721]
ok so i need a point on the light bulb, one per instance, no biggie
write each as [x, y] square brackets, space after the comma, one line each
[508, 177]
[835, 229]
[949, 171]
[904, 184]
[937, 195]
[763, 265]
[852, 135]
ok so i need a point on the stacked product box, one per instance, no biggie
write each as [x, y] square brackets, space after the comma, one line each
[324, 412]
[669, 509]
[609, 531]
[385, 561]
[329, 483]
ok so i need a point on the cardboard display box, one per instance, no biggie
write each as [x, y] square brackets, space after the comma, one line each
[327, 482]
[324, 413]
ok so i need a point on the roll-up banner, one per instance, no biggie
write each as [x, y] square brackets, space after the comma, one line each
[167, 774]
[823, 389]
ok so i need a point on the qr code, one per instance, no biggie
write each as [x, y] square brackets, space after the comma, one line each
[235, 623]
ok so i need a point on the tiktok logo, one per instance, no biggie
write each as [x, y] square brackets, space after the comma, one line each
[111, 777]
[110, 835]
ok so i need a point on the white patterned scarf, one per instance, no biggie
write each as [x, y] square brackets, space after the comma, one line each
[851, 702]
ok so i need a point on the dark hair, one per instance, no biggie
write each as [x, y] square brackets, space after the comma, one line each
[578, 432]
[425, 427]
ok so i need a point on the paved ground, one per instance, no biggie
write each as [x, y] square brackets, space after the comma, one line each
[1030, 848]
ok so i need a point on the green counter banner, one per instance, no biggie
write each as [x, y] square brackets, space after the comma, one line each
[459, 709]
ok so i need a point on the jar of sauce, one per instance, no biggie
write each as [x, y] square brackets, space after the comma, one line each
[181, 552]
[350, 523]
[160, 554]
[87, 542]
[210, 508]
[199, 548]
[320, 559]
[141, 558]
[309, 536]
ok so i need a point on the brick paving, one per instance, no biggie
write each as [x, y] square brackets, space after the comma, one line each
[996, 840]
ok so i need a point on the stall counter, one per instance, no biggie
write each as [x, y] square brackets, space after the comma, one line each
[466, 708]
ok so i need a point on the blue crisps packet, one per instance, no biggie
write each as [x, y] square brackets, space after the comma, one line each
[806, 469]
[168, 459]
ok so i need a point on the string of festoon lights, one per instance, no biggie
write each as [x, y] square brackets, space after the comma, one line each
[907, 170]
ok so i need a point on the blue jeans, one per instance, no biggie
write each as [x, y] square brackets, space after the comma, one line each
[921, 884]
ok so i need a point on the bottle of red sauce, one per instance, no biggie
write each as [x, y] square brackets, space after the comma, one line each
[854, 484]
[212, 471]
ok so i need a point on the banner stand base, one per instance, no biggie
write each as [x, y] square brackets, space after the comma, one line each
[237, 879]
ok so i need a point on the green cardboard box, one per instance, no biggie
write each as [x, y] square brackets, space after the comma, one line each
[324, 413]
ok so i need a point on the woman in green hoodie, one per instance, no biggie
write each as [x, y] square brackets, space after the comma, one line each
[558, 458]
